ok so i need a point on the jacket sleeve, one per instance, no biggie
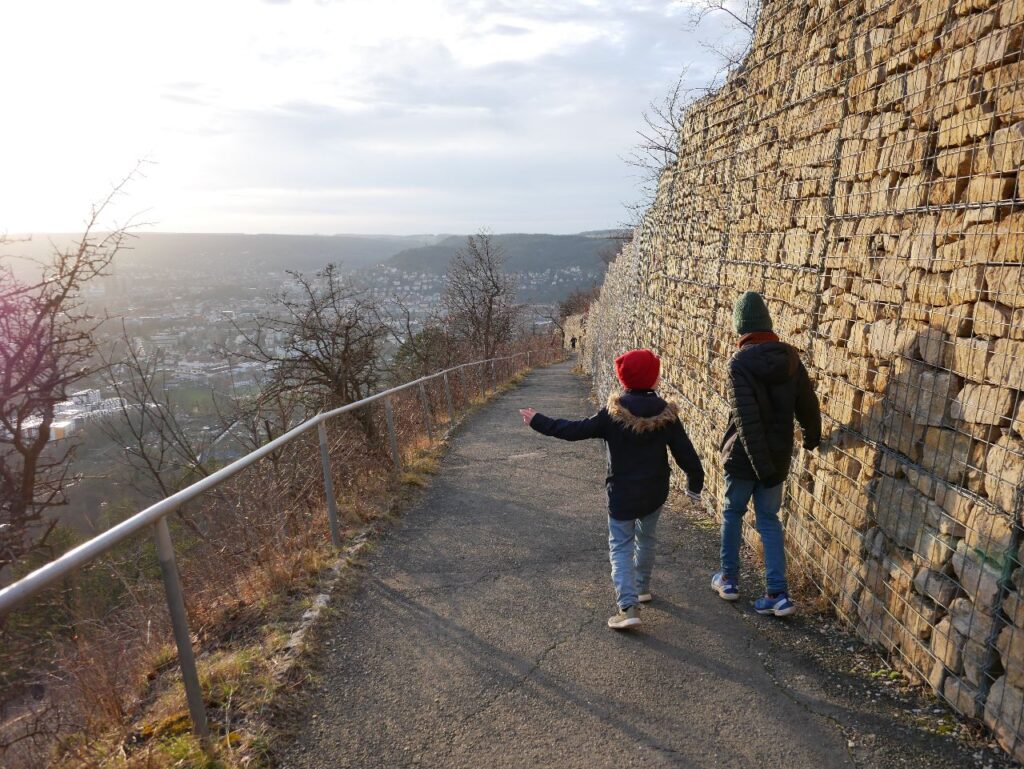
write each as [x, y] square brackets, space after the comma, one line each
[686, 457]
[568, 430]
[808, 413]
[749, 426]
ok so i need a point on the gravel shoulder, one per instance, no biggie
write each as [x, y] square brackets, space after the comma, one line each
[475, 636]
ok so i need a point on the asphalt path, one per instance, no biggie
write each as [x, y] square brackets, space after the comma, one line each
[477, 635]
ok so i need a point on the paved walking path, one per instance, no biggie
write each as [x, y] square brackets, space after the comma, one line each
[477, 637]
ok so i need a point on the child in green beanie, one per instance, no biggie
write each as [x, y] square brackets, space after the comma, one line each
[768, 387]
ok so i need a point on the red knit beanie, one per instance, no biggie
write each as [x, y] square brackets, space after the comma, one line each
[638, 369]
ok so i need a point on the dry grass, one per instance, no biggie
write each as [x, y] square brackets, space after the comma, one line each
[251, 559]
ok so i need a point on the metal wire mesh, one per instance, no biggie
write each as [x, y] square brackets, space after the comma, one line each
[862, 170]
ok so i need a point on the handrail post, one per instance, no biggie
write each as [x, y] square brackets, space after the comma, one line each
[182, 637]
[426, 413]
[448, 399]
[527, 359]
[494, 376]
[389, 417]
[332, 502]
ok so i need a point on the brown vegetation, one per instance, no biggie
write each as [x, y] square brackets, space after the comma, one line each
[97, 681]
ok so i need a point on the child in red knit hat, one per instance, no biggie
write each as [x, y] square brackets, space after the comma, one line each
[639, 428]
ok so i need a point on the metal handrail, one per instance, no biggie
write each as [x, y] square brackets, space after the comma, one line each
[156, 515]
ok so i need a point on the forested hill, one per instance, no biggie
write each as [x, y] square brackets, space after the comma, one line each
[523, 253]
[225, 252]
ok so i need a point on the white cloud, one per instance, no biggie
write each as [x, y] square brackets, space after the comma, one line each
[356, 115]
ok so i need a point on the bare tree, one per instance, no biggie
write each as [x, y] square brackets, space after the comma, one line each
[479, 296]
[575, 303]
[424, 342]
[47, 348]
[658, 148]
[158, 445]
[732, 47]
[323, 345]
[615, 241]
[578, 301]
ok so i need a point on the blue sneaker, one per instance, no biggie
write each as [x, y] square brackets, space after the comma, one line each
[726, 587]
[778, 604]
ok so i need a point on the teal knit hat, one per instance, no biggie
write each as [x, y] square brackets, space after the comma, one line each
[750, 313]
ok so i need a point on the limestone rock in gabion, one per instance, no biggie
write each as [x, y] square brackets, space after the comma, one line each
[1005, 471]
[974, 623]
[936, 586]
[978, 578]
[1013, 605]
[1004, 711]
[990, 534]
[961, 695]
[1011, 652]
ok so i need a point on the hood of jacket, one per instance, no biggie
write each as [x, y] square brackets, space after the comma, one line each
[641, 411]
[772, 362]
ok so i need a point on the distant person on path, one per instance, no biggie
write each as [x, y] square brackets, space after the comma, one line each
[637, 426]
[573, 342]
[768, 386]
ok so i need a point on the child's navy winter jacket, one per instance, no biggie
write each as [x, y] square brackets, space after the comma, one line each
[637, 426]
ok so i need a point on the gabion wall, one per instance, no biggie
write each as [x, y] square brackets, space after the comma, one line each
[864, 171]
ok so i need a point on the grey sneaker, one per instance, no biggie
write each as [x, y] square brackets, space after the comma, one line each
[625, 619]
[645, 598]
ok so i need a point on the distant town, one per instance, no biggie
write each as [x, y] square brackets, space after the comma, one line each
[187, 313]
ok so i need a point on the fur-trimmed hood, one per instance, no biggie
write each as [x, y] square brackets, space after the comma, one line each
[661, 412]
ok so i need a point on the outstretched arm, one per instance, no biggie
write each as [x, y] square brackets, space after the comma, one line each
[567, 430]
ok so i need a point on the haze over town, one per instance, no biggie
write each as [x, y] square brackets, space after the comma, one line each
[422, 121]
[364, 116]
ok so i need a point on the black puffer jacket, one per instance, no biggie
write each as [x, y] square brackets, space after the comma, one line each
[637, 427]
[768, 386]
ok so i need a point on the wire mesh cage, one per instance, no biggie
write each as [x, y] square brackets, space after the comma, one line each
[862, 170]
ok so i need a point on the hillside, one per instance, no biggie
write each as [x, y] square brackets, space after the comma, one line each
[227, 252]
[523, 253]
[218, 253]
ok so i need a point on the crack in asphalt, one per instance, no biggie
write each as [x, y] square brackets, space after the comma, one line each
[516, 684]
[800, 702]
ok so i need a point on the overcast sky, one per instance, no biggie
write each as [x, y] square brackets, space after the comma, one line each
[383, 116]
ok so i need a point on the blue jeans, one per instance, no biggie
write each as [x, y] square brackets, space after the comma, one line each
[767, 502]
[631, 550]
